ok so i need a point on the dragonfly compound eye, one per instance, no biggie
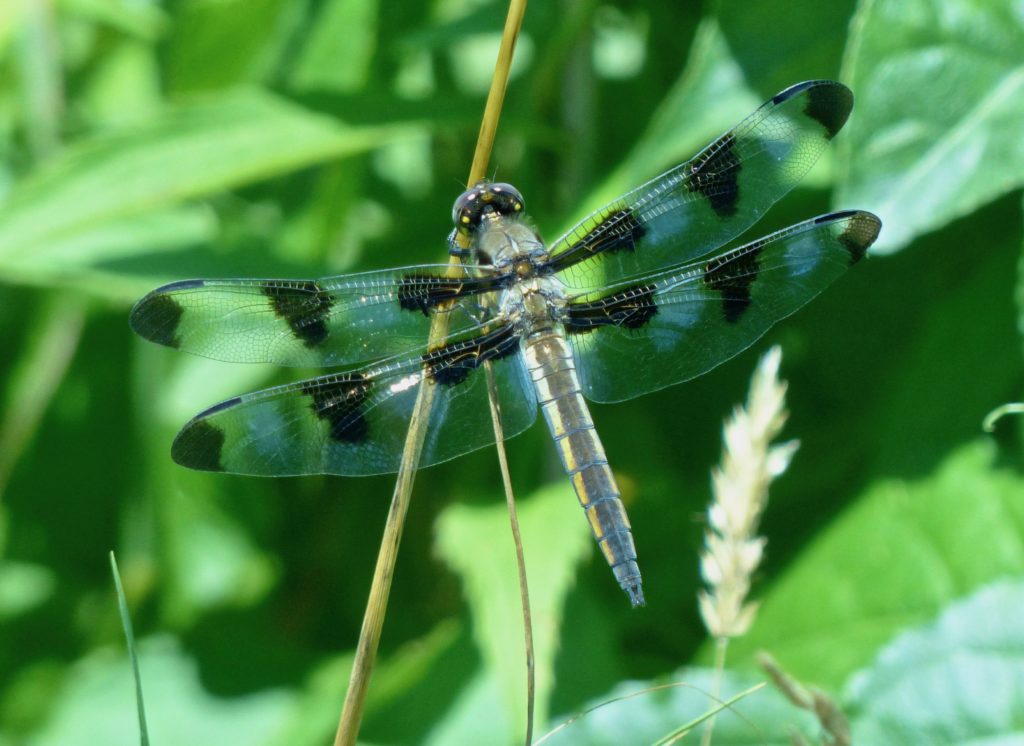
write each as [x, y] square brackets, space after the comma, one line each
[485, 200]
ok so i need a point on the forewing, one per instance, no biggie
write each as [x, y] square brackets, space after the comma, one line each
[677, 324]
[712, 198]
[355, 423]
[334, 321]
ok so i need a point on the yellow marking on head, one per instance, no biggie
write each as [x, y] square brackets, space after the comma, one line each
[465, 218]
[519, 206]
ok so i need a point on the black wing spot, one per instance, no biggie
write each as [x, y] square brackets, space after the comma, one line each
[452, 364]
[631, 308]
[830, 106]
[156, 318]
[340, 400]
[199, 445]
[714, 174]
[420, 292]
[423, 292]
[732, 275]
[619, 230]
[304, 306]
[859, 234]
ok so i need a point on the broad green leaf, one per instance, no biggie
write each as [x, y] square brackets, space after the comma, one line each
[476, 543]
[642, 712]
[185, 152]
[931, 540]
[958, 679]
[119, 259]
[936, 131]
[96, 704]
[340, 48]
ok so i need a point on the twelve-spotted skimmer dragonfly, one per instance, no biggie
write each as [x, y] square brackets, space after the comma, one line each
[636, 297]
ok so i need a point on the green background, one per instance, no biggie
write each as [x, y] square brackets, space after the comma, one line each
[142, 142]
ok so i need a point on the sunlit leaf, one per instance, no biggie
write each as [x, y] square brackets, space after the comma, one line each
[958, 679]
[476, 542]
[644, 711]
[97, 704]
[936, 129]
[845, 597]
[340, 49]
[186, 152]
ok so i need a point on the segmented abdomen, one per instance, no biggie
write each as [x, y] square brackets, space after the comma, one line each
[550, 362]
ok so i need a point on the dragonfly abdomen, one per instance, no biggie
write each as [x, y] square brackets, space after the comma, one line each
[550, 362]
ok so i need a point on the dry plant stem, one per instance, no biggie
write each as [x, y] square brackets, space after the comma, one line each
[716, 686]
[376, 606]
[524, 590]
[833, 720]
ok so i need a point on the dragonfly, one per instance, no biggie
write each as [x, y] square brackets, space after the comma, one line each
[638, 296]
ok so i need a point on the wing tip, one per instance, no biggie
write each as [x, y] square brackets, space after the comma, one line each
[861, 230]
[157, 315]
[828, 102]
[200, 443]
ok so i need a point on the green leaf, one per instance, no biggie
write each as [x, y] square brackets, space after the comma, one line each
[96, 705]
[1019, 292]
[23, 587]
[340, 48]
[958, 679]
[143, 20]
[932, 540]
[936, 130]
[185, 152]
[476, 543]
[644, 711]
[100, 260]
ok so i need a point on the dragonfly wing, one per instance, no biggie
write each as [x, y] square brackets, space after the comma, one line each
[712, 198]
[355, 423]
[675, 325]
[335, 321]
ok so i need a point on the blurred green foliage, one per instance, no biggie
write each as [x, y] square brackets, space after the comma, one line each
[143, 141]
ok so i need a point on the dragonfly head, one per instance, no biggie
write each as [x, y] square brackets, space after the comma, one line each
[485, 201]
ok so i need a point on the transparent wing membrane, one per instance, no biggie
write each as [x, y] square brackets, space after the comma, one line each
[712, 198]
[674, 325]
